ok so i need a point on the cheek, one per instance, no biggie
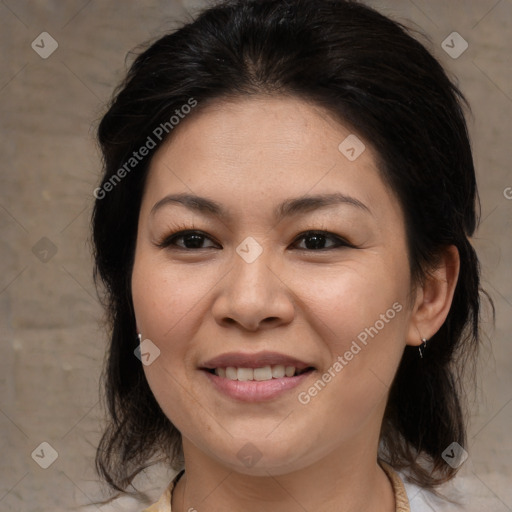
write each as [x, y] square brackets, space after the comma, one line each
[360, 314]
[165, 297]
[166, 302]
[171, 390]
[345, 301]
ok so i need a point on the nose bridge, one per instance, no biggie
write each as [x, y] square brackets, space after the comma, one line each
[251, 292]
[252, 280]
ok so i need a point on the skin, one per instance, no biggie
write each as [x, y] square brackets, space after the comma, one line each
[250, 155]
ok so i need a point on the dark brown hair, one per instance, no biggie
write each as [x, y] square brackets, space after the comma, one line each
[370, 72]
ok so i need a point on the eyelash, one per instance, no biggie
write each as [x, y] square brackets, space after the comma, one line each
[182, 231]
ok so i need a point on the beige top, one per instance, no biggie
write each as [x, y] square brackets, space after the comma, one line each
[401, 500]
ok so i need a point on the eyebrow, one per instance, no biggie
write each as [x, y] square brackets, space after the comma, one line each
[288, 208]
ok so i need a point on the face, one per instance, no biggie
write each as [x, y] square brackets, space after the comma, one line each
[277, 295]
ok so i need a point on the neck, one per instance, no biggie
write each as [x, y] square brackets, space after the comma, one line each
[347, 480]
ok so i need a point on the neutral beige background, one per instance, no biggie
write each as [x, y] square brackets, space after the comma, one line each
[51, 337]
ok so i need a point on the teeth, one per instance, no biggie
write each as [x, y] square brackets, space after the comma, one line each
[277, 371]
[230, 373]
[289, 371]
[264, 373]
[245, 373]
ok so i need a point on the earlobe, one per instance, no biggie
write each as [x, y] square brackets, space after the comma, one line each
[434, 297]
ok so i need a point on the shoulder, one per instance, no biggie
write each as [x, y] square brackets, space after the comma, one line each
[465, 493]
[164, 503]
[422, 500]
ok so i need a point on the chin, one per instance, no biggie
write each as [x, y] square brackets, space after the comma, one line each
[259, 457]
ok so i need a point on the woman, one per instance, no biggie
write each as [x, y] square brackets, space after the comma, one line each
[282, 231]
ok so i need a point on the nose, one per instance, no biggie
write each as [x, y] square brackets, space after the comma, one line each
[252, 296]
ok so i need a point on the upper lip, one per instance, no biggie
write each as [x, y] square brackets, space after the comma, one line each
[256, 360]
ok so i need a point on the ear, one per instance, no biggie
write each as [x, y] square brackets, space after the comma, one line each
[434, 297]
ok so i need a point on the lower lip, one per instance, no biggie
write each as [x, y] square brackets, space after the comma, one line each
[253, 390]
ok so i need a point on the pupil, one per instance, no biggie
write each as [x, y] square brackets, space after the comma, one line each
[193, 241]
[318, 241]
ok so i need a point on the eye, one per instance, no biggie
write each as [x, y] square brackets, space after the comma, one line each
[193, 239]
[190, 240]
[316, 240]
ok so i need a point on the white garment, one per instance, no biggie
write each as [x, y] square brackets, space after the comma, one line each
[468, 490]
[421, 500]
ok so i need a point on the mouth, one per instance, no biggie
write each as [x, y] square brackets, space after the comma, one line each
[259, 366]
[260, 374]
[255, 377]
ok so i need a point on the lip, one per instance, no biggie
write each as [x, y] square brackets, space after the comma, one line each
[255, 391]
[256, 360]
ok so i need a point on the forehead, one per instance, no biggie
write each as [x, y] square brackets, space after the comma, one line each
[251, 152]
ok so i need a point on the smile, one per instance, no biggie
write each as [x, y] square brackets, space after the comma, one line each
[264, 373]
[255, 377]
[253, 390]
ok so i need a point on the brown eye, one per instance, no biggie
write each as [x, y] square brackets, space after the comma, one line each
[185, 240]
[317, 240]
